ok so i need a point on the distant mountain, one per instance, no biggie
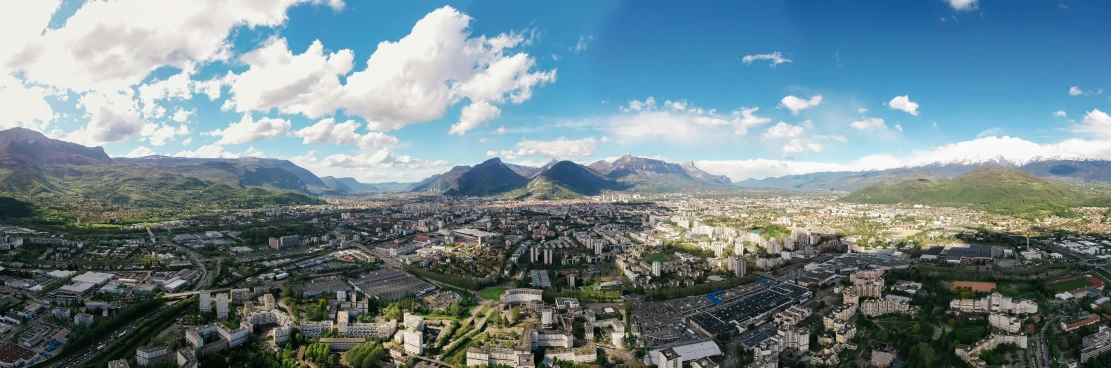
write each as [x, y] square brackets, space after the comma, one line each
[247, 171]
[440, 183]
[653, 175]
[65, 176]
[993, 189]
[28, 147]
[566, 179]
[601, 166]
[486, 179]
[394, 186]
[1074, 170]
[526, 171]
[348, 185]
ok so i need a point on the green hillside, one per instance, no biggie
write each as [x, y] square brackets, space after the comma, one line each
[486, 179]
[567, 179]
[992, 189]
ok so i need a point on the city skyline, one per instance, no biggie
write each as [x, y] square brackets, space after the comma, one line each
[398, 92]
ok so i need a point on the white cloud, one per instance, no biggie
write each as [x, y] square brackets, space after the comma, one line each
[249, 130]
[561, 148]
[605, 139]
[869, 124]
[776, 58]
[1074, 91]
[963, 5]
[837, 138]
[978, 150]
[745, 118]
[1098, 122]
[1061, 114]
[307, 83]
[861, 110]
[140, 152]
[182, 115]
[635, 105]
[328, 131]
[113, 117]
[783, 130]
[799, 145]
[178, 86]
[904, 103]
[207, 151]
[416, 78]
[680, 122]
[382, 158]
[899, 127]
[159, 134]
[796, 104]
[111, 45]
[500, 130]
[23, 106]
[253, 152]
[583, 43]
[474, 115]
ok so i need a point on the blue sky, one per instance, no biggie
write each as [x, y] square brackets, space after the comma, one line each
[397, 91]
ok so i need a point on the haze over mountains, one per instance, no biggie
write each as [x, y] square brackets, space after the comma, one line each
[33, 166]
[1070, 170]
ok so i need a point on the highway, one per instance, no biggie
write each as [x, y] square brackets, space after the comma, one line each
[89, 352]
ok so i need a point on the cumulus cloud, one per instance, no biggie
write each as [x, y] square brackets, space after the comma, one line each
[438, 64]
[861, 110]
[1098, 122]
[963, 5]
[474, 115]
[249, 130]
[1075, 91]
[23, 106]
[159, 134]
[306, 83]
[113, 117]
[328, 131]
[558, 149]
[796, 104]
[784, 130]
[1060, 114]
[182, 115]
[111, 45]
[382, 158]
[140, 152]
[869, 124]
[678, 122]
[776, 58]
[904, 103]
[799, 145]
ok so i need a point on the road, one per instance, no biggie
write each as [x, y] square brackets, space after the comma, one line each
[1044, 343]
[91, 351]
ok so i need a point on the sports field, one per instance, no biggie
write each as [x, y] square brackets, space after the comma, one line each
[493, 293]
[656, 257]
[1069, 285]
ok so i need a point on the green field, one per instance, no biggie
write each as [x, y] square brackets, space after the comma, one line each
[656, 257]
[493, 293]
[1071, 284]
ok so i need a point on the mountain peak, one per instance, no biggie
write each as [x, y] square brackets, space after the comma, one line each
[27, 146]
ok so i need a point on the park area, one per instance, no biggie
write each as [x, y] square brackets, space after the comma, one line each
[493, 293]
[1074, 284]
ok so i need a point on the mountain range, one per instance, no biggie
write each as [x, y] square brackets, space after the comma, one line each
[37, 169]
[566, 179]
[993, 189]
[1063, 169]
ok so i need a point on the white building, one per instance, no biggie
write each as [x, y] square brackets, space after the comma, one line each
[222, 305]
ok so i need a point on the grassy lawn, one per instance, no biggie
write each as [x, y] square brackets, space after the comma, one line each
[1071, 284]
[656, 257]
[493, 293]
